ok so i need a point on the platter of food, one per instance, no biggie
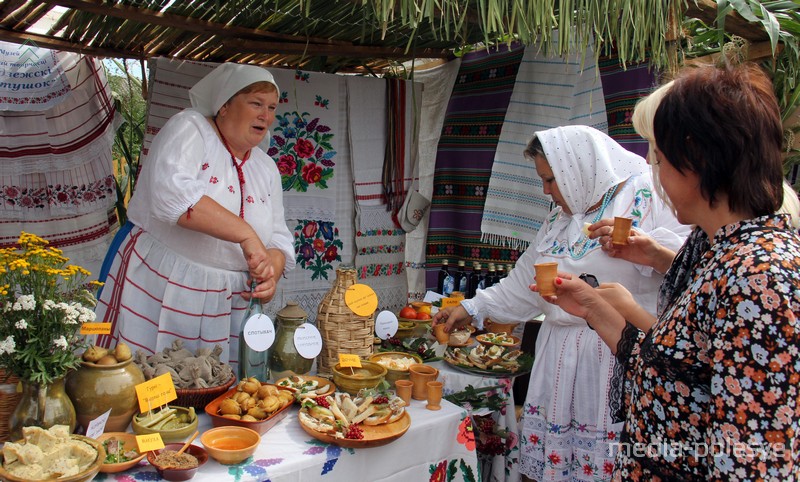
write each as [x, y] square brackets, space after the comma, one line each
[355, 422]
[493, 361]
[500, 339]
[122, 453]
[304, 386]
[251, 404]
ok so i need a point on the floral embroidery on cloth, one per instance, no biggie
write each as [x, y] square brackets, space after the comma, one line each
[303, 151]
[317, 245]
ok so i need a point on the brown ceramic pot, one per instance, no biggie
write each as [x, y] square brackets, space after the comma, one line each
[96, 388]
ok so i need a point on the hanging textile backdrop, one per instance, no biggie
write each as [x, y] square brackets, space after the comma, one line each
[56, 176]
[31, 78]
[549, 92]
[380, 244]
[438, 82]
[622, 88]
[469, 136]
[310, 146]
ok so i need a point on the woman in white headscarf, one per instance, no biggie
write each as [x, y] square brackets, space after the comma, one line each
[567, 426]
[207, 222]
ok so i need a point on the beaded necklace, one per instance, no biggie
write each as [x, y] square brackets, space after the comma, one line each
[236, 165]
[584, 242]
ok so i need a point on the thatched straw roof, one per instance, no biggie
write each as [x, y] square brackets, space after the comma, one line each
[327, 35]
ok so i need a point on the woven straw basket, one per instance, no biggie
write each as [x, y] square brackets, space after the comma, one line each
[9, 397]
[342, 330]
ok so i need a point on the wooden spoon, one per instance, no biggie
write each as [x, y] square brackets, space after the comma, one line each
[188, 442]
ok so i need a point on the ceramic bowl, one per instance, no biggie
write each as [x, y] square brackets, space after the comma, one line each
[84, 476]
[230, 445]
[178, 474]
[351, 380]
[172, 435]
[394, 374]
[129, 443]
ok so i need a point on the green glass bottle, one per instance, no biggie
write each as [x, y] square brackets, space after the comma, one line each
[254, 356]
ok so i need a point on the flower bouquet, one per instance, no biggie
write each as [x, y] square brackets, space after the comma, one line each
[43, 301]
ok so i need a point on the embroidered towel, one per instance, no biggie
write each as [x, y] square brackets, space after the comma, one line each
[549, 92]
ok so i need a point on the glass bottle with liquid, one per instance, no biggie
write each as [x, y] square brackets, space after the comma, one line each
[252, 361]
[444, 283]
[461, 279]
[475, 280]
[490, 276]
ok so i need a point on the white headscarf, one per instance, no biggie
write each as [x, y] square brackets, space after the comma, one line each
[586, 163]
[216, 88]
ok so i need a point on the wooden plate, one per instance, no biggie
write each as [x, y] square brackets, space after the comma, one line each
[320, 381]
[486, 339]
[469, 342]
[374, 435]
[129, 440]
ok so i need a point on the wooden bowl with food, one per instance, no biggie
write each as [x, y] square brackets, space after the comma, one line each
[176, 467]
[396, 363]
[174, 424]
[353, 379]
[122, 452]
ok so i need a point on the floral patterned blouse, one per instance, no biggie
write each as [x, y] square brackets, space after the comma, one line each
[711, 390]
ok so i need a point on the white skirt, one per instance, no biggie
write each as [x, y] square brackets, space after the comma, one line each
[566, 424]
[153, 296]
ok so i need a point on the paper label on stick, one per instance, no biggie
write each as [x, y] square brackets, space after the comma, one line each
[98, 426]
[149, 442]
[259, 332]
[386, 324]
[348, 360]
[361, 299]
[155, 392]
[96, 329]
[307, 341]
[448, 302]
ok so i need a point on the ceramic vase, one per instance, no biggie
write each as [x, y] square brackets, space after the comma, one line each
[42, 405]
[96, 388]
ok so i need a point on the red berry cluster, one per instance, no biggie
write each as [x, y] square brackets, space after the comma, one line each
[380, 399]
[322, 402]
[354, 432]
[492, 445]
[394, 341]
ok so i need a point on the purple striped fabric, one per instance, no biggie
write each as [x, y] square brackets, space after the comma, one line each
[622, 88]
[464, 159]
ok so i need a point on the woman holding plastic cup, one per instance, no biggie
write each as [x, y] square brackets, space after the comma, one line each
[712, 386]
[566, 424]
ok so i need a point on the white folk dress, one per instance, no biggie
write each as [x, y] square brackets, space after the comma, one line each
[167, 282]
[566, 424]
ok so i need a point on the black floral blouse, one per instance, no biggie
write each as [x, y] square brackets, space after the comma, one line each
[711, 391]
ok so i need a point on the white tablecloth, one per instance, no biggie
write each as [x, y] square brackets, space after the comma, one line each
[438, 446]
[500, 468]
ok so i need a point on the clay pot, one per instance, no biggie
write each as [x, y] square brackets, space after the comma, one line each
[96, 388]
[421, 374]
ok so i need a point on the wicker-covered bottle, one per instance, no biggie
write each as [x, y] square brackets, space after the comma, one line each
[342, 330]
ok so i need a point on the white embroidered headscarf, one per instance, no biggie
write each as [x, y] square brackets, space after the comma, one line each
[215, 89]
[586, 163]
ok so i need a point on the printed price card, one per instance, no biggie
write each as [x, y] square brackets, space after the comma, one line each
[347, 360]
[361, 299]
[155, 392]
[149, 442]
[386, 324]
[307, 341]
[96, 329]
[446, 302]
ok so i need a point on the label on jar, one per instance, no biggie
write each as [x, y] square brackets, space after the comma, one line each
[386, 325]
[307, 341]
[259, 332]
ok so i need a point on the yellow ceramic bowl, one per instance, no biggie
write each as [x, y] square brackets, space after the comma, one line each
[230, 445]
[394, 374]
[351, 380]
[171, 435]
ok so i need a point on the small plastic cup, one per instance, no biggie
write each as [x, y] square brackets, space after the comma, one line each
[545, 278]
[622, 230]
